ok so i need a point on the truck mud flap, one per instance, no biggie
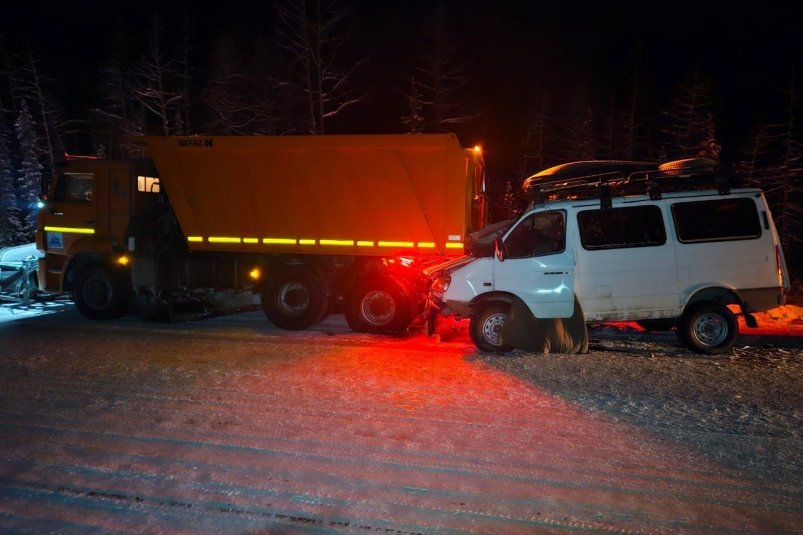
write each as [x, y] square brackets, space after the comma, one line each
[524, 331]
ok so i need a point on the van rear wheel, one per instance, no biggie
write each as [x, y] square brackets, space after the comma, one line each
[708, 328]
[485, 327]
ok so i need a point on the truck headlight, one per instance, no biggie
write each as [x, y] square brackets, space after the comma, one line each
[441, 284]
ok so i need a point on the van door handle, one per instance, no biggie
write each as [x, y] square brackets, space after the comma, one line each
[555, 272]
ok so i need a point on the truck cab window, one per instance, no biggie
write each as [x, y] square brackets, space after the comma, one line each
[74, 187]
[538, 235]
[148, 184]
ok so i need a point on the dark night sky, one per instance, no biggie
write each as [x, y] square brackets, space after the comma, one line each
[511, 49]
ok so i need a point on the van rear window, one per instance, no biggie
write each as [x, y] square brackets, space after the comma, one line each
[613, 228]
[716, 220]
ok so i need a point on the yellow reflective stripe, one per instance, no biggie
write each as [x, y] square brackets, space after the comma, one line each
[289, 241]
[74, 230]
[395, 244]
[454, 245]
[279, 241]
[336, 242]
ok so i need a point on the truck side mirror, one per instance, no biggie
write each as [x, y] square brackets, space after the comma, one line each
[499, 249]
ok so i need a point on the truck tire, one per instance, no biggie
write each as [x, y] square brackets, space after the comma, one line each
[485, 327]
[378, 305]
[101, 294]
[708, 328]
[295, 299]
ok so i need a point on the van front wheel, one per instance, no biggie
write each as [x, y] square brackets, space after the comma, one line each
[708, 328]
[485, 327]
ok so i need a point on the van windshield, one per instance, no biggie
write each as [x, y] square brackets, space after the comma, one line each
[481, 243]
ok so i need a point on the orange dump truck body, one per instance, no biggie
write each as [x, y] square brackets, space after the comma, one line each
[351, 195]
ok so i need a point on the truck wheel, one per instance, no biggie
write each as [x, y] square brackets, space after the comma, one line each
[485, 327]
[708, 328]
[100, 294]
[295, 299]
[378, 305]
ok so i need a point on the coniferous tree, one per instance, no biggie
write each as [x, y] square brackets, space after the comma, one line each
[310, 32]
[635, 139]
[225, 95]
[774, 162]
[186, 70]
[267, 92]
[585, 138]
[31, 85]
[689, 126]
[538, 138]
[118, 117]
[29, 176]
[157, 83]
[442, 78]
[413, 119]
[11, 232]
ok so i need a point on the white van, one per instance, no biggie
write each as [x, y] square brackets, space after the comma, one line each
[662, 258]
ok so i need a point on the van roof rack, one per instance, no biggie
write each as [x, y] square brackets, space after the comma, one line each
[605, 178]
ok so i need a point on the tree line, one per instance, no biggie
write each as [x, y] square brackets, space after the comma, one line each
[301, 77]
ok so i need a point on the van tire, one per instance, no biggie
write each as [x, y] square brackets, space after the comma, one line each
[485, 327]
[295, 299]
[708, 327]
[378, 306]
[101, 294]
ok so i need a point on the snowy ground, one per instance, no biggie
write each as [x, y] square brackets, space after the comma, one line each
[232, 426]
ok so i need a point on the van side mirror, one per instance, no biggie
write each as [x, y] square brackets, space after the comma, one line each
[499, 249]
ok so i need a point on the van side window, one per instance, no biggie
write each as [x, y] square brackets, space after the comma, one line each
[614, 228]
[539, 234]
[721, 219]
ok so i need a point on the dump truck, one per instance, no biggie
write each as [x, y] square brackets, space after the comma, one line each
[308, 225]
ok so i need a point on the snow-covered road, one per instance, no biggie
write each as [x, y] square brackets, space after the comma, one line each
[232, 426]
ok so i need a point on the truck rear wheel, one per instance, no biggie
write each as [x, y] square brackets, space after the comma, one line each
[708, 328]
[485, 327]
[295, 299]
[100, 294]
[378, 305]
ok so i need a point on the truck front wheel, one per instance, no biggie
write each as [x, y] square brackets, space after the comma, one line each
[100, 294]
[378, 305]
[485, 327]
[708, 327]
[295, 299]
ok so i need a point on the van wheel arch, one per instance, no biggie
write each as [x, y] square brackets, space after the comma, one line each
[717, 294]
